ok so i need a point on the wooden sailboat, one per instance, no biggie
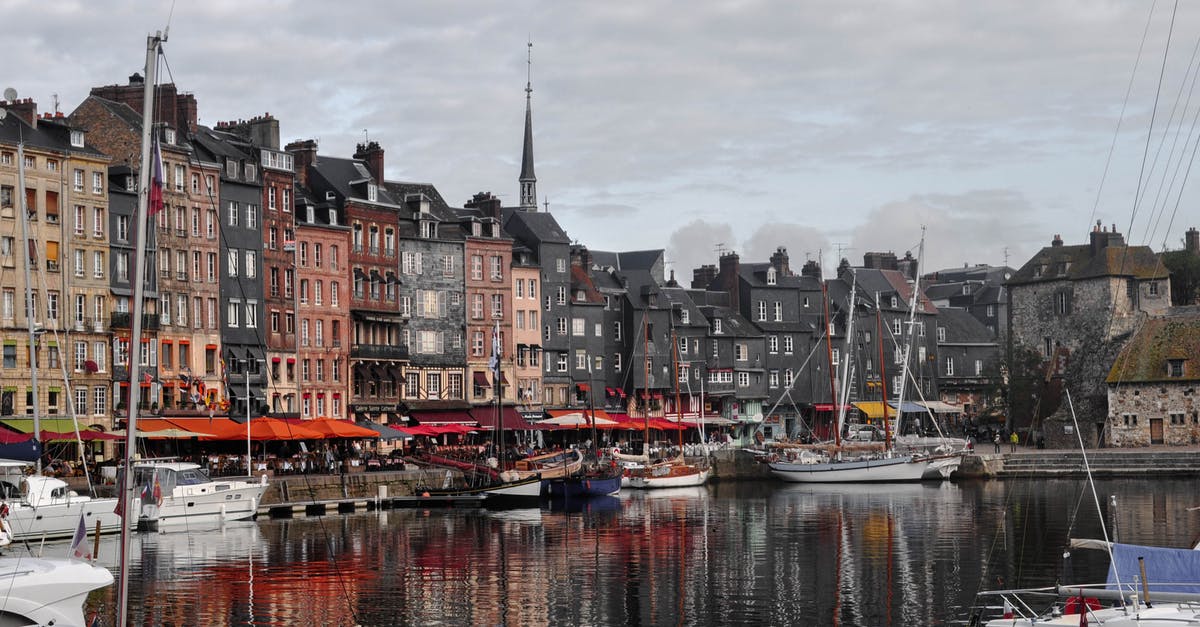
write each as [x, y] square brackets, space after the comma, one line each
[675, 473]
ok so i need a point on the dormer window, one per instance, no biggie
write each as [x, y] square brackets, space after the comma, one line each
[330, 196]
[251, 171]
[169, 136]
[333, 217]
[716, 326]
[372, 192]
[428, 229]
[770, 276]
[683, 316]
[77, 139]
[1175, 368]
[894, 302]
[231, 168]
[966, 289]
[476, 229]
[310, 214]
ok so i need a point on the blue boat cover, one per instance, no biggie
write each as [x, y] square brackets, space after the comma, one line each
[1163, 566]
[27, 451]
[909, 407]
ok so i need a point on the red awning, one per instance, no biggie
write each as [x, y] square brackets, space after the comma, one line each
[276, 360]
[291, 360]
[609, 392]
[480, 379]
[503, 379]
[513, 420]
[583, 387]
[443, 417]
[829, 407]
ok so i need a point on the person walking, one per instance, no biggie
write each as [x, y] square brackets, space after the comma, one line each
[996, 441]
[1012, 440]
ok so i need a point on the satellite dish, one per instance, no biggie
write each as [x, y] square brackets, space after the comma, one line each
[10, 94]
[3, 112]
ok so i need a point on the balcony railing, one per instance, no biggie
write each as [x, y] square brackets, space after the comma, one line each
[378, 351]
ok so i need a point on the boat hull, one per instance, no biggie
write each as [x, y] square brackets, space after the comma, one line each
[60, 520]
[49, 591]
[678, 477]
[942, 466]
[213, 503]
[584, 487]
[890, 469]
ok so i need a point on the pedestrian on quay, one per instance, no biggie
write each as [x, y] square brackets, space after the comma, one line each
[996, 441]
[1012, 439]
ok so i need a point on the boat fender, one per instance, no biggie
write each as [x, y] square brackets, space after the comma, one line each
[587, 484]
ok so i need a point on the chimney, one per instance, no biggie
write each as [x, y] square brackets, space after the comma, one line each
[188, 111]
[305, 153]
[811, 269]
[372, 153]
[26, 109]
[1057, 241]
[908, 266]
[727, 277]
[1102, 238]
[671, 282]
[779, 261]
[703, 276]
[879, 261]
[1191, 241]
[581, 257]
[487, 204]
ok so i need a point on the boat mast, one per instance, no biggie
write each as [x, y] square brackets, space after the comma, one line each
[153, 45]
[841, 409]
[30, 305]
[646, 385]
[887, 430]
[837, 432]
[912, 329]
[499, 388]
[675, 373]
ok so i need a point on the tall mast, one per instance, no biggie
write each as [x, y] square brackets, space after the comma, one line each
[646, 385]
[153, 45]
[841, 409]
[675, 374]
[887, 431]
[496, 350]
[837, 433]
[912, 329]
[30, 305]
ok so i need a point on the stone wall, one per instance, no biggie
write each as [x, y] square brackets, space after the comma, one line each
[1135, 405]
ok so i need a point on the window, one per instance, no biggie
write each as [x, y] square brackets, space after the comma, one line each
[99, 400]
[773, 379]
[497, 306]
[741, 354]
[616, 362]
[232, 262]
[773, 344]
[949, 366]
[787, 344]
[233, 312]
[562, 295]
[495, 264]
[560, 264]
[123, 228]
[78, 181]
[581, 359]
[743, 379]
[251, 263]
[1175, 368]
[578, 327]
[251, 314]
[234, 210]
[251, 216]
[978, 367]
[941, 334]
[1153, 288]
[991, 311]
[447, 265]
[716, 326]
[762, 311]
[562, 326]
[562, 362]
[778, 311]
[617, 331]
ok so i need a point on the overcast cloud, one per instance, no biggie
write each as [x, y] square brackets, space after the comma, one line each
[813, 125]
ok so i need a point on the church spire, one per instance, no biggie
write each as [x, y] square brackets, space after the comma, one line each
[528, 180]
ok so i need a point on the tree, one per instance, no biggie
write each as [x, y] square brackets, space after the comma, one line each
[1184, 266]
[1014, 390]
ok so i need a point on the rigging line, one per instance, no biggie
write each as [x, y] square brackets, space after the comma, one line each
[1153, 116]
[1121, 117]
[1183, 88]
[1166, 198]
[1167, 131]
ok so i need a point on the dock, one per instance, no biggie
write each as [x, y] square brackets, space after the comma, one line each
[350, 505]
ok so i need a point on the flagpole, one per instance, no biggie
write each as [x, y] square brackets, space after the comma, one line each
[495, 364]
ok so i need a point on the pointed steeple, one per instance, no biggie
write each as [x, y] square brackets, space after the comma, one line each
[528, 180]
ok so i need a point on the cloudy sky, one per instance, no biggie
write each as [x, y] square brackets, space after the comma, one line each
[821, 126]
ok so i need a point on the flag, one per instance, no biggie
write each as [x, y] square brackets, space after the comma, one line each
[148, 378]
[156, 179]
[494, 362]
[79, 548]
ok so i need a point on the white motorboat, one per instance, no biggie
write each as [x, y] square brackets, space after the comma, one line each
[47, 591]
[183, 493]
[47, 508]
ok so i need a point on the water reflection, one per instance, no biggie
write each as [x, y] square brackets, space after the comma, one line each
[743, 554]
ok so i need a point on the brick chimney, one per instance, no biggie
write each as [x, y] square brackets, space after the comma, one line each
[703, 276]
[1057, 241]
[880, 261]
[908, 266]
[727, 279]
[305, 153]
[187, 111]
[811, 269]
[779, 261]
[372, 153]
[26, 109]
[487, 204]
[1191, 241]
[1101, 238]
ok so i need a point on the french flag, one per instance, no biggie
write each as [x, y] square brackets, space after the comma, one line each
[156, 180]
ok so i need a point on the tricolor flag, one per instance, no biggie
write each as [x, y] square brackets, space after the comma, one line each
[494, 362]
[156, 179]
[79, 548]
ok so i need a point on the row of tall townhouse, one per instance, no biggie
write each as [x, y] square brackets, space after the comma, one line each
[295, 284]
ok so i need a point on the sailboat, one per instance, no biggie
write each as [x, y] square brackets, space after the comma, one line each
[674, 473]
[838, 464]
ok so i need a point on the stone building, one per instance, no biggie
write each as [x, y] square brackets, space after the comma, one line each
[1152, 384]
[1081, 300]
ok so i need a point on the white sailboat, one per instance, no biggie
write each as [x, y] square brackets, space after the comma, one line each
[183, 493]
[843, 465]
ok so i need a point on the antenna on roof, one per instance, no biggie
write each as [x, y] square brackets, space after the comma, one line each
[720, 248]
[841, 248]
[546, 201]
[54, 98]
[366, 139]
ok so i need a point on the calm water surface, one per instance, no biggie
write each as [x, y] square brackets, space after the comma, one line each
[730, 554]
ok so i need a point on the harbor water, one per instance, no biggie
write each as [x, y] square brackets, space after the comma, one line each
[748, 553]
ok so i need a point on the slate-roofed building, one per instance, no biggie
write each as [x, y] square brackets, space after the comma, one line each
[978, 289]
[587, 353]
[965, 350]
[1151, 384]
[431, 290]
[239, 213]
